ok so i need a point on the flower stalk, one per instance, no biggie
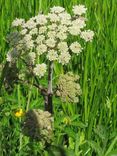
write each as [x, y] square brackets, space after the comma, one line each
[48, 98]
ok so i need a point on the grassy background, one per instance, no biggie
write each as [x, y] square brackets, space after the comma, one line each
[97, 123]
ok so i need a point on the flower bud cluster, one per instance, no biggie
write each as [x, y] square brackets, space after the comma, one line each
[38, 125]
[68, 88]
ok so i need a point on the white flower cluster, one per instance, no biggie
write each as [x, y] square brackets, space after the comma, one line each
[48, 35]
[40, 69]
[17, 22]
[87, 35]
[30, 58]
[79, 9]
[76, 48]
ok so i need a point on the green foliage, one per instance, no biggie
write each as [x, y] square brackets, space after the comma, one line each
[85, 129]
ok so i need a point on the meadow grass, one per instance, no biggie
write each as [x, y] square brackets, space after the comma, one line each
[93, 128]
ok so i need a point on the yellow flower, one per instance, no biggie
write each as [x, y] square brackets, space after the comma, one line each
[19, 113]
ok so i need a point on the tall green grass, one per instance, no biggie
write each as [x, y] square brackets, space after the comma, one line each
[93, 129]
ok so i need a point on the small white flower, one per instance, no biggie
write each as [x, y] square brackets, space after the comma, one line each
[50, 42]
[27, 37]
[63, 28]
[40, 70]
[29, 44]
[30, 24]
[53, 17]
[41, 19]
[42, 29]
[23, 31]
[51, 34]
[34, 31]
[61, 35]
[79, 10]
[52, 55]
[12, 55]
[76, 47]
[27, 40]
[63, 47]
[53, 26]
[57, 9]
[65, 18]
[74, 30]
[30, 59]
[65, 22]
[80, 23]
[40, 39]
[64, 58]
[42, 48]
[87, 35]
[17, 22]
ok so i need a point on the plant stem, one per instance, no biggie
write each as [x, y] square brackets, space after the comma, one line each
[19, 104]
[29, 96]
[48, 97]
[50, 73]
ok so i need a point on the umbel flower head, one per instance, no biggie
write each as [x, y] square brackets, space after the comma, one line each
[48, 36]
[68, 88]
[38, 125]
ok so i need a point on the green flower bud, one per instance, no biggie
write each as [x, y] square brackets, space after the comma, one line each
[68, 88]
